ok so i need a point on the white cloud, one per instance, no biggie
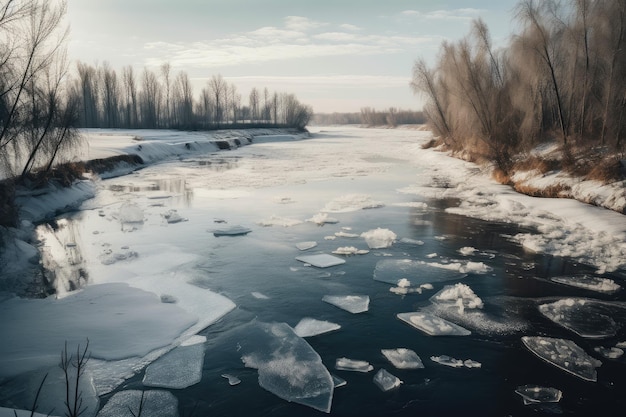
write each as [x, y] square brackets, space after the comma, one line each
[299, 23]
[349, 27]
[454, 14]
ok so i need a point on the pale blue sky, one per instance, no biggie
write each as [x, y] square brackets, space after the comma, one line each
[334, 55]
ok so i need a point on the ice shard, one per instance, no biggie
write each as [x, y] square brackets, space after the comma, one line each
[355, 365]
[565, 355]
[306, 245]
[386, 381]
[589, 282]
[231, 231]
[288, 366]
[351, 303]
[311, 327]
[432, 325]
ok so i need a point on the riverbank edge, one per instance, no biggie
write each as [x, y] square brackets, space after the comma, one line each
[40, 198]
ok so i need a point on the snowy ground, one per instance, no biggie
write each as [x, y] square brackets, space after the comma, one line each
[152, 299]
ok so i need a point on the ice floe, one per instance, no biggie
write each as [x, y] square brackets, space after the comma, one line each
[177, 369]
[565, 355]
[153, 403]
[346, 234]
[432, 325]
[288, 367]
[410, 241]
[535, 394]
[355, 365]
[588, 318]
[312, 327]
[172, 216]
[351, 202]
[403, 358]
[467, 250]
[339, 382]
[259, 296]
[321, 260]
[379, 238]
[458, 295]
[351, 303]
[418, 272]
[350, 250]
[306, 245]
[386, 381]
[231, 231]
[589, 282]
[130, 213]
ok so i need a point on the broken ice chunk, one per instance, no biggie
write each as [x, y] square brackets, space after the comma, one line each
[410, 241]
[346, 234]
[565, 355]
[232, 380]
[259, 296]
[469, 363]
[345, 364]
[589, 282]
[322, 260]
[177, 369]
[311, 327]
[467, 250]
[172, 216]
[350, 250]
[609, 353]
[459, 295]
[231, 231]
[153, 403]
[288, 366]
[322, 218]
[130, 213]
[306, 245]
[588, 318]
[352, 303]
[279, 221]
[379, 238]
[386, 381]
[339, 382]
[448, 361]
[403, 358]
[432, 325]
[533, 394]
[351, 202]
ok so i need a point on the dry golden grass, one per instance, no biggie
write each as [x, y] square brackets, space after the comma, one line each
[536, 163]
[552, 191]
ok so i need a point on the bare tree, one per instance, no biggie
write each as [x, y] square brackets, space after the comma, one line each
[110, 95]
[130, 97]
[165, 73]
[253, 102]
[219, 91]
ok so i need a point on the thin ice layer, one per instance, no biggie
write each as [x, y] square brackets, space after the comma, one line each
[386, 381]
[288, 366]
[177, 369]
[156, 403]
[403, 358]
[432, 325]
[322, 260]
[308, 327]
[352, 303]
[565, 355]
[418, 272]
[588, 318]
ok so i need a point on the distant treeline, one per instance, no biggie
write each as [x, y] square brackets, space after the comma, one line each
[369, 116]
[562, 77]
[43, 100]
[163, 100]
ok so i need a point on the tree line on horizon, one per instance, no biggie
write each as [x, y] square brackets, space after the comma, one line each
[44, 100]
[562, 78]
[371, 117]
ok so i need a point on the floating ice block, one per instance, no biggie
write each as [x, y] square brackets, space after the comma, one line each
[589, 282]
[418, 272]
[352, 303]
[231, 231]
[322, 260]
[403, 358]
[345, 364]
[177, 369]
[588, 318]
[533, 394]
[306, 245]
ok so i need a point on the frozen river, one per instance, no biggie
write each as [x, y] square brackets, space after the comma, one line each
[433, 258]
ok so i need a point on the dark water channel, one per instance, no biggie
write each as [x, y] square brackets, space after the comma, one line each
[517, 282]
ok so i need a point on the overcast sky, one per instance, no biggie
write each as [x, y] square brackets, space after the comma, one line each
[336, 55]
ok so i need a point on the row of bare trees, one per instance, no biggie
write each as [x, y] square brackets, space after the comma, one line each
[37, 115]
[562, 77]
[160, 100]
[391, 117]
